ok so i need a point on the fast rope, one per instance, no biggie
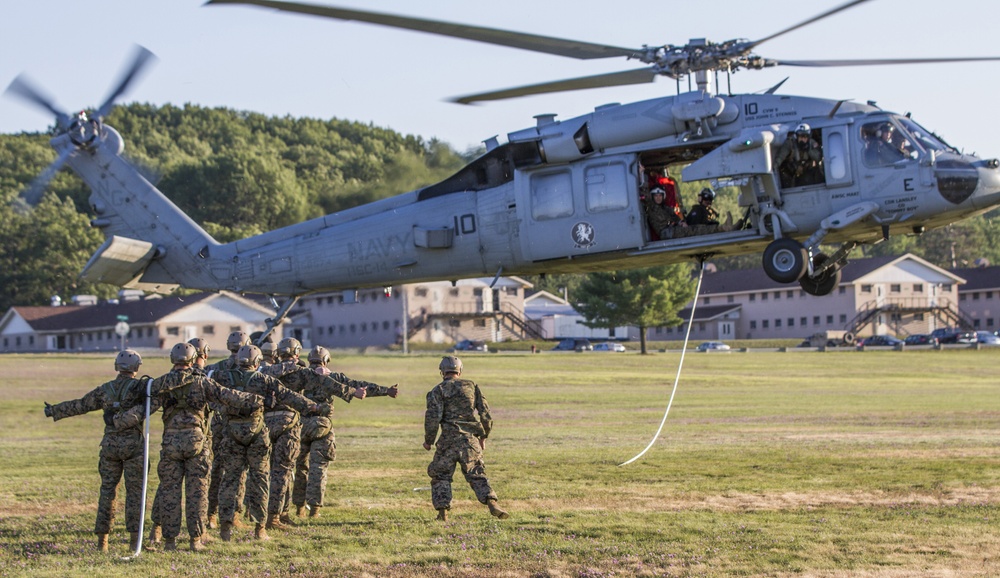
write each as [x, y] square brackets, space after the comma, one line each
[680, 365]
[145, 478]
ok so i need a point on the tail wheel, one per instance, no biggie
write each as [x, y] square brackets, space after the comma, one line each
[823, 284]
[785, 260]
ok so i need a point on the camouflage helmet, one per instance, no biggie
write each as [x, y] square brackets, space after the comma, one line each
[268, 348]
[236, 340]
[450, 364]
[183, 353]
[289, 347]
[249, 356]
[319, 355]
[128, 360]
[200, 347]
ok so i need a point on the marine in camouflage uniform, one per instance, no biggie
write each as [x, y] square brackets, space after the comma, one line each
[318, 443]
[202, 351]
[185, 394]
[121, 449]
[234, 342]
[452, 406]
[246, 445]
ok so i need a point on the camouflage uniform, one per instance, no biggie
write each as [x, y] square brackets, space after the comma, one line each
[184, 395]
[217, 432]
[245, 447]
[450, 406]
[318, 443]
[121, 450]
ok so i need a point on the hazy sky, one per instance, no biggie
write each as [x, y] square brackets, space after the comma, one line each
[256, 59]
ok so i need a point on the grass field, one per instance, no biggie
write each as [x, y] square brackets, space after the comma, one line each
[881, 464]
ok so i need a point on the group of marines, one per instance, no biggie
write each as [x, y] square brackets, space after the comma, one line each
[252, 435]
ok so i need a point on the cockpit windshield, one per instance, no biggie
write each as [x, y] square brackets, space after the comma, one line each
[923, 137]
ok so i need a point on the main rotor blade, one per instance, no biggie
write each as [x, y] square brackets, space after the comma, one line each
[545, 44]
[638, 76]
[878, 61]
[23, 88]
[818, 17]
[33, 194]
[139, 61]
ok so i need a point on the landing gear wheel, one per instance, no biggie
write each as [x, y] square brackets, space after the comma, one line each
[785, 260]
[823, 284]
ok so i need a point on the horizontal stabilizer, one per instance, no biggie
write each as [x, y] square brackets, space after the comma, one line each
[120, 261]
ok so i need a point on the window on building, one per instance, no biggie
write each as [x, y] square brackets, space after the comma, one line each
[354, 328]
[479, 323]
[815, 319]
[208, 330]
[791, 322]
[420, 292]
[989, 322]
[866, 288]
[777, 323]
[829, 319]
[385, 326]
[454, 323]
[842, 290]
[701, 327]
[989, 295]
[707, 300]
[753, 324]
[319, 330]
[764, 324]
[803, 321]
[777, 295]
[658, 331]
[478, 292]
[17, 341]
[790, 293]
[31, 340]
[975, 323]
[962, 297]
[975, 296]
[235, 328]
[918, 316]
[453, 292]
[753, 297]
[918, 287]
[843, 318]
[763, 296]
[946, 288]
[730, 299]
[895, 288]
[173, 330]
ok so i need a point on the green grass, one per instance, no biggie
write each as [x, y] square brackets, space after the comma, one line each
[823, 464]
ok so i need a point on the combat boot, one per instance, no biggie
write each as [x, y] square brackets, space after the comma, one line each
[496, 511]
[196, 544]
[442, 514]
[260, 532]
[155, 535]
[226, 531]
[287, 520]
[300, 511]
[213, 521]
[238, 522]
[169, 544]
[206, 539]
[133, 540]
[314, 511]
[274, 523]
[102, 542]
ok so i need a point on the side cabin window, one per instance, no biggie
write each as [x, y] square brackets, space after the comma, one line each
[800, 160]
[605, 187]
[551, 195]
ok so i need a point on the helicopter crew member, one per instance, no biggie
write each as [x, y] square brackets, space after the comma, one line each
[703, 217]
[246, 445]
[184, 393]
[452, 406]
[880, 148]
[234, 342]
[661, 217]
[800, 159]
[121, 448]
[318, 443]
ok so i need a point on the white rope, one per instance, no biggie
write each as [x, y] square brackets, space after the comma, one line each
[687, 335]
[145, 479]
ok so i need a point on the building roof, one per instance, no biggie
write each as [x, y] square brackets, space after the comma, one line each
[746, 280]
[979, 278]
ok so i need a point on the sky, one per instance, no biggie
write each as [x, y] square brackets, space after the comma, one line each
[259, 60]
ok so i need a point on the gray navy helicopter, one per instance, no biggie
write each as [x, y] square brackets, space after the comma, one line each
[563, 196]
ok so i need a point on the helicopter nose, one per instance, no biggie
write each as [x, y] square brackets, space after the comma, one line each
[987, 194]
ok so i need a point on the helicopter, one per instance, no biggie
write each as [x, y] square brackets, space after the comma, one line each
[562, 196]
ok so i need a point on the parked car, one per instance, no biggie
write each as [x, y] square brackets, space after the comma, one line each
[954, 335]
[880, 341]
[920, 339]
[469, 345]
[987, 338]
[609, 346]
[713, 346]
[572, 344]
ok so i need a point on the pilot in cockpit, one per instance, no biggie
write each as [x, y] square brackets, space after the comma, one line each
[882, 145]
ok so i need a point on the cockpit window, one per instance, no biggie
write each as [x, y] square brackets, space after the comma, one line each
[922, 136]
[885, 144]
